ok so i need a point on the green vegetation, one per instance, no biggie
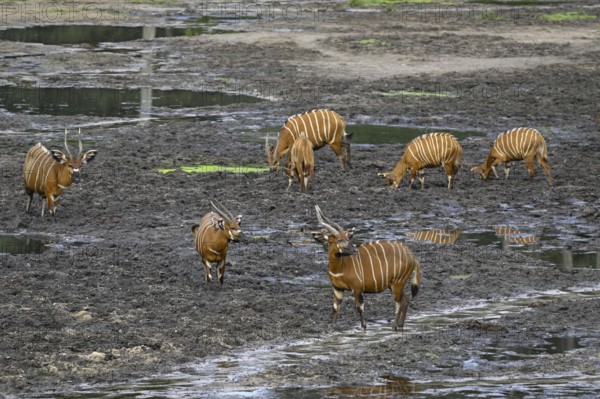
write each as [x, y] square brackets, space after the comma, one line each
[159, 2]
[567, 16]
[373, 41]
[375, 3]
[459, 276]
[516, 3]
[383, 134]
[491, 16]
[215, 168]
[194, 31]
[400, 93]
[166, 170]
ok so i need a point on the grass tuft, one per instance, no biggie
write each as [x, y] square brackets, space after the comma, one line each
[567, 16]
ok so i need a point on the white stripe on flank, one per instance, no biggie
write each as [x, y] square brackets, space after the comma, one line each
[336, 125]
[514, 141]
[38, 167]
[529, 139]
[330, 135]
[372, 264]
[356, 270]
[50, 169]
[497, 145]
[430, 151]
[384, 278]
[289, 130]
[443, 149]
[409, 149]
[395, 261]
[315, 128]
[361, 269]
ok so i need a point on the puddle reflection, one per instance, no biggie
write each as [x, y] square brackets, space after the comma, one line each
[568, 259]
[551, 346]
[384, 134]
[15, 245]
[94, 34]
[393, 388]
[109, 102]
[514, 236]
[508, 238]
[438, 236]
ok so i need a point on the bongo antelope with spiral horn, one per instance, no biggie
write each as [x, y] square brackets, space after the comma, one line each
[212, 237]
[48, 173]
[368, 268]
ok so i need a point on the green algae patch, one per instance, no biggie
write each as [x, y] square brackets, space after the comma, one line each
[373, 42]
[215, 168]
[164, 171]
[406, 93]
[567, 16]
[375, 3]
[460, 276]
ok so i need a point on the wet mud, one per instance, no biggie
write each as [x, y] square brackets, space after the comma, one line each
[111, 290]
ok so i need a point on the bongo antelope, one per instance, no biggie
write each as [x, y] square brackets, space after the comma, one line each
[368, 268]
[212, 237]
[321, 127]
[427, 151]
[517, 144]
[49, 173]
[302, 163]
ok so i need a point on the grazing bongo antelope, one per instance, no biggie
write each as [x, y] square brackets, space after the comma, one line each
[521, 143]
[48, 173]
[368, 268]
[427, 151]
[436, 236]
[302, 163]
[212, 236]
[320, 126]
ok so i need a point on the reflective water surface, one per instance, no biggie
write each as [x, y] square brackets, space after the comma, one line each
[92, 34]
[110, 102]
[226, 376]
[21, 244]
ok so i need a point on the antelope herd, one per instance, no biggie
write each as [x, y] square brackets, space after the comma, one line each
[368, 268]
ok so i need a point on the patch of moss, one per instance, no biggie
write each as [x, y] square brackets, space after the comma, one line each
[373, 41]
[375, 3]
[567, 16]
[400, 93]
[215, 168]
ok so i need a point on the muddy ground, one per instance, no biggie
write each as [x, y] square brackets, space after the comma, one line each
[128, 300]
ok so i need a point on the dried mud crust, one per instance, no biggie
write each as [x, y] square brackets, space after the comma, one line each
[132, 300]
[422, 44]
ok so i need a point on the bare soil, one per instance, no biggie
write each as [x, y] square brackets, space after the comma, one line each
[131, 301]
